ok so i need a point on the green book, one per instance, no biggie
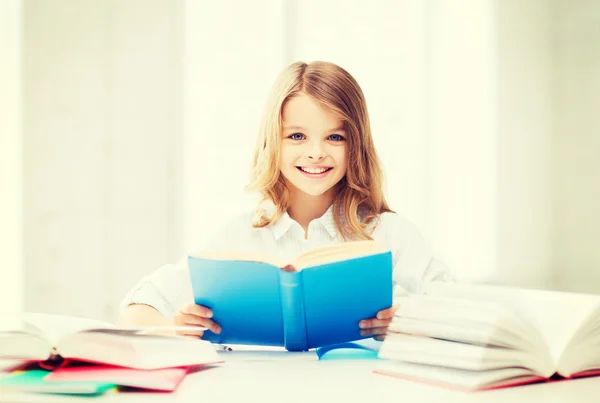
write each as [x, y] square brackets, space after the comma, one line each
[33, 381]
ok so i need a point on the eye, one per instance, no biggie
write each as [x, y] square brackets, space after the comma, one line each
[297, 136]
[337, 137]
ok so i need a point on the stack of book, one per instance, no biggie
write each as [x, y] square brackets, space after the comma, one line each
[476, 337]
[66, 355]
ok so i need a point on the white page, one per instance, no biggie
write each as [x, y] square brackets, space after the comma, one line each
[453, 377]
[436, 352]
[54, 327]
[141, 351]
[557, 315]
[7, 365]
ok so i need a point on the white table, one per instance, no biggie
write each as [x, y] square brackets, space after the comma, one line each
[327, 381]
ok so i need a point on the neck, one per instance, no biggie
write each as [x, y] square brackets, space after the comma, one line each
[304, 208]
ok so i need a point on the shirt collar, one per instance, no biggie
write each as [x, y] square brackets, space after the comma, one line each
[282, 225]
[285, 222]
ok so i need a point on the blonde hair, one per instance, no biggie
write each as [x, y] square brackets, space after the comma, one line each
[359, 199]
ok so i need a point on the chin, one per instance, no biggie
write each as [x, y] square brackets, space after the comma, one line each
[312, 191]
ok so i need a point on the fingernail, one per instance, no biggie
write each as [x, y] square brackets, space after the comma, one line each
[363, 332]
[362, 324]
[209, 313]
[379, 316]
[218, 329]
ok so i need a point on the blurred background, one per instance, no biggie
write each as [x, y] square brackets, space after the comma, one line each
[128, 128]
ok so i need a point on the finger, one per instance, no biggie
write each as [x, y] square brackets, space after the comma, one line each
[375, 331]
[200, 321]
[199, 310]
[192, 331]
[379, 337]
[192, 335]
[387, 313]
[370, 323]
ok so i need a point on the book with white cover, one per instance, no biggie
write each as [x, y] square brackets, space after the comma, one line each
[46, 337]
[474, 337]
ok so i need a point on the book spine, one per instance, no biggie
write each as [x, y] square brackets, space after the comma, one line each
[292, 307]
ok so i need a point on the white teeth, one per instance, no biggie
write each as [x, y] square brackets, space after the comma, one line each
[314, 170]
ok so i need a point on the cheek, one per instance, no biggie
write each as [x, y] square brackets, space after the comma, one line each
[286, 162]
[287, 156]
[343, 165]
[341, 158]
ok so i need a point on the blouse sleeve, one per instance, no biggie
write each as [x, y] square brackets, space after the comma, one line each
[414, 264]
[166, 289]
[169, 287]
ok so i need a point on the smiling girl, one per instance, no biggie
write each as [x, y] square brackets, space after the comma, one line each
[318, 171]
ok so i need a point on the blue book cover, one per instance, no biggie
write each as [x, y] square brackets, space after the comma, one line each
[316, 300]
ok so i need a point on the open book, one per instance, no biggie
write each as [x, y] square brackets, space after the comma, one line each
[314, 300]
[475, 337]
[312, 258]
[51, 338]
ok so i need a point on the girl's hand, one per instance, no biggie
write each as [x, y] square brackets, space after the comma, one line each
[195, 315]
[377, 326]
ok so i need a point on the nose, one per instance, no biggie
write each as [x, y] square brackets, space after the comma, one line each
[316, 151]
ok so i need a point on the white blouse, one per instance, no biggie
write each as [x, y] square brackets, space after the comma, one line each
[169, 287]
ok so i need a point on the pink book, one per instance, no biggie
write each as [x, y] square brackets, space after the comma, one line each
[163, 380]
[499, 385]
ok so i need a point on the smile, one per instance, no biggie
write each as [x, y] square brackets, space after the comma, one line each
[314, 170]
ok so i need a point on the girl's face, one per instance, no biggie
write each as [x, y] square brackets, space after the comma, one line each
[313, 148]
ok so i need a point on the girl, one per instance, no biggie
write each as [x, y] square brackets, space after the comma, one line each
[317, 169]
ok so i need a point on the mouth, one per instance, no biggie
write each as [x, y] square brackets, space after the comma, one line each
[314, 171]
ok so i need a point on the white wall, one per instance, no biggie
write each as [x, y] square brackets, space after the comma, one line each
[233, 51]
[462, 115]
[525, 126]
[577, 146]
[11, 175]
[102, 131]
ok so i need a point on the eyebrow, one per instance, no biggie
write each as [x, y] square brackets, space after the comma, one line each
[302, 128]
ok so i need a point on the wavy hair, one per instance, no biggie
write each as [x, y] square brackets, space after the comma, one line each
[359, 195]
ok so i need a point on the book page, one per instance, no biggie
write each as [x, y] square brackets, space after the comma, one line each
[137, 351]
[495, 322]
[314, 257]
[23, 346]
[454, 377]
[337, 252]
[53, 327]
[242, 256]
[557, 315]
[445, 353]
